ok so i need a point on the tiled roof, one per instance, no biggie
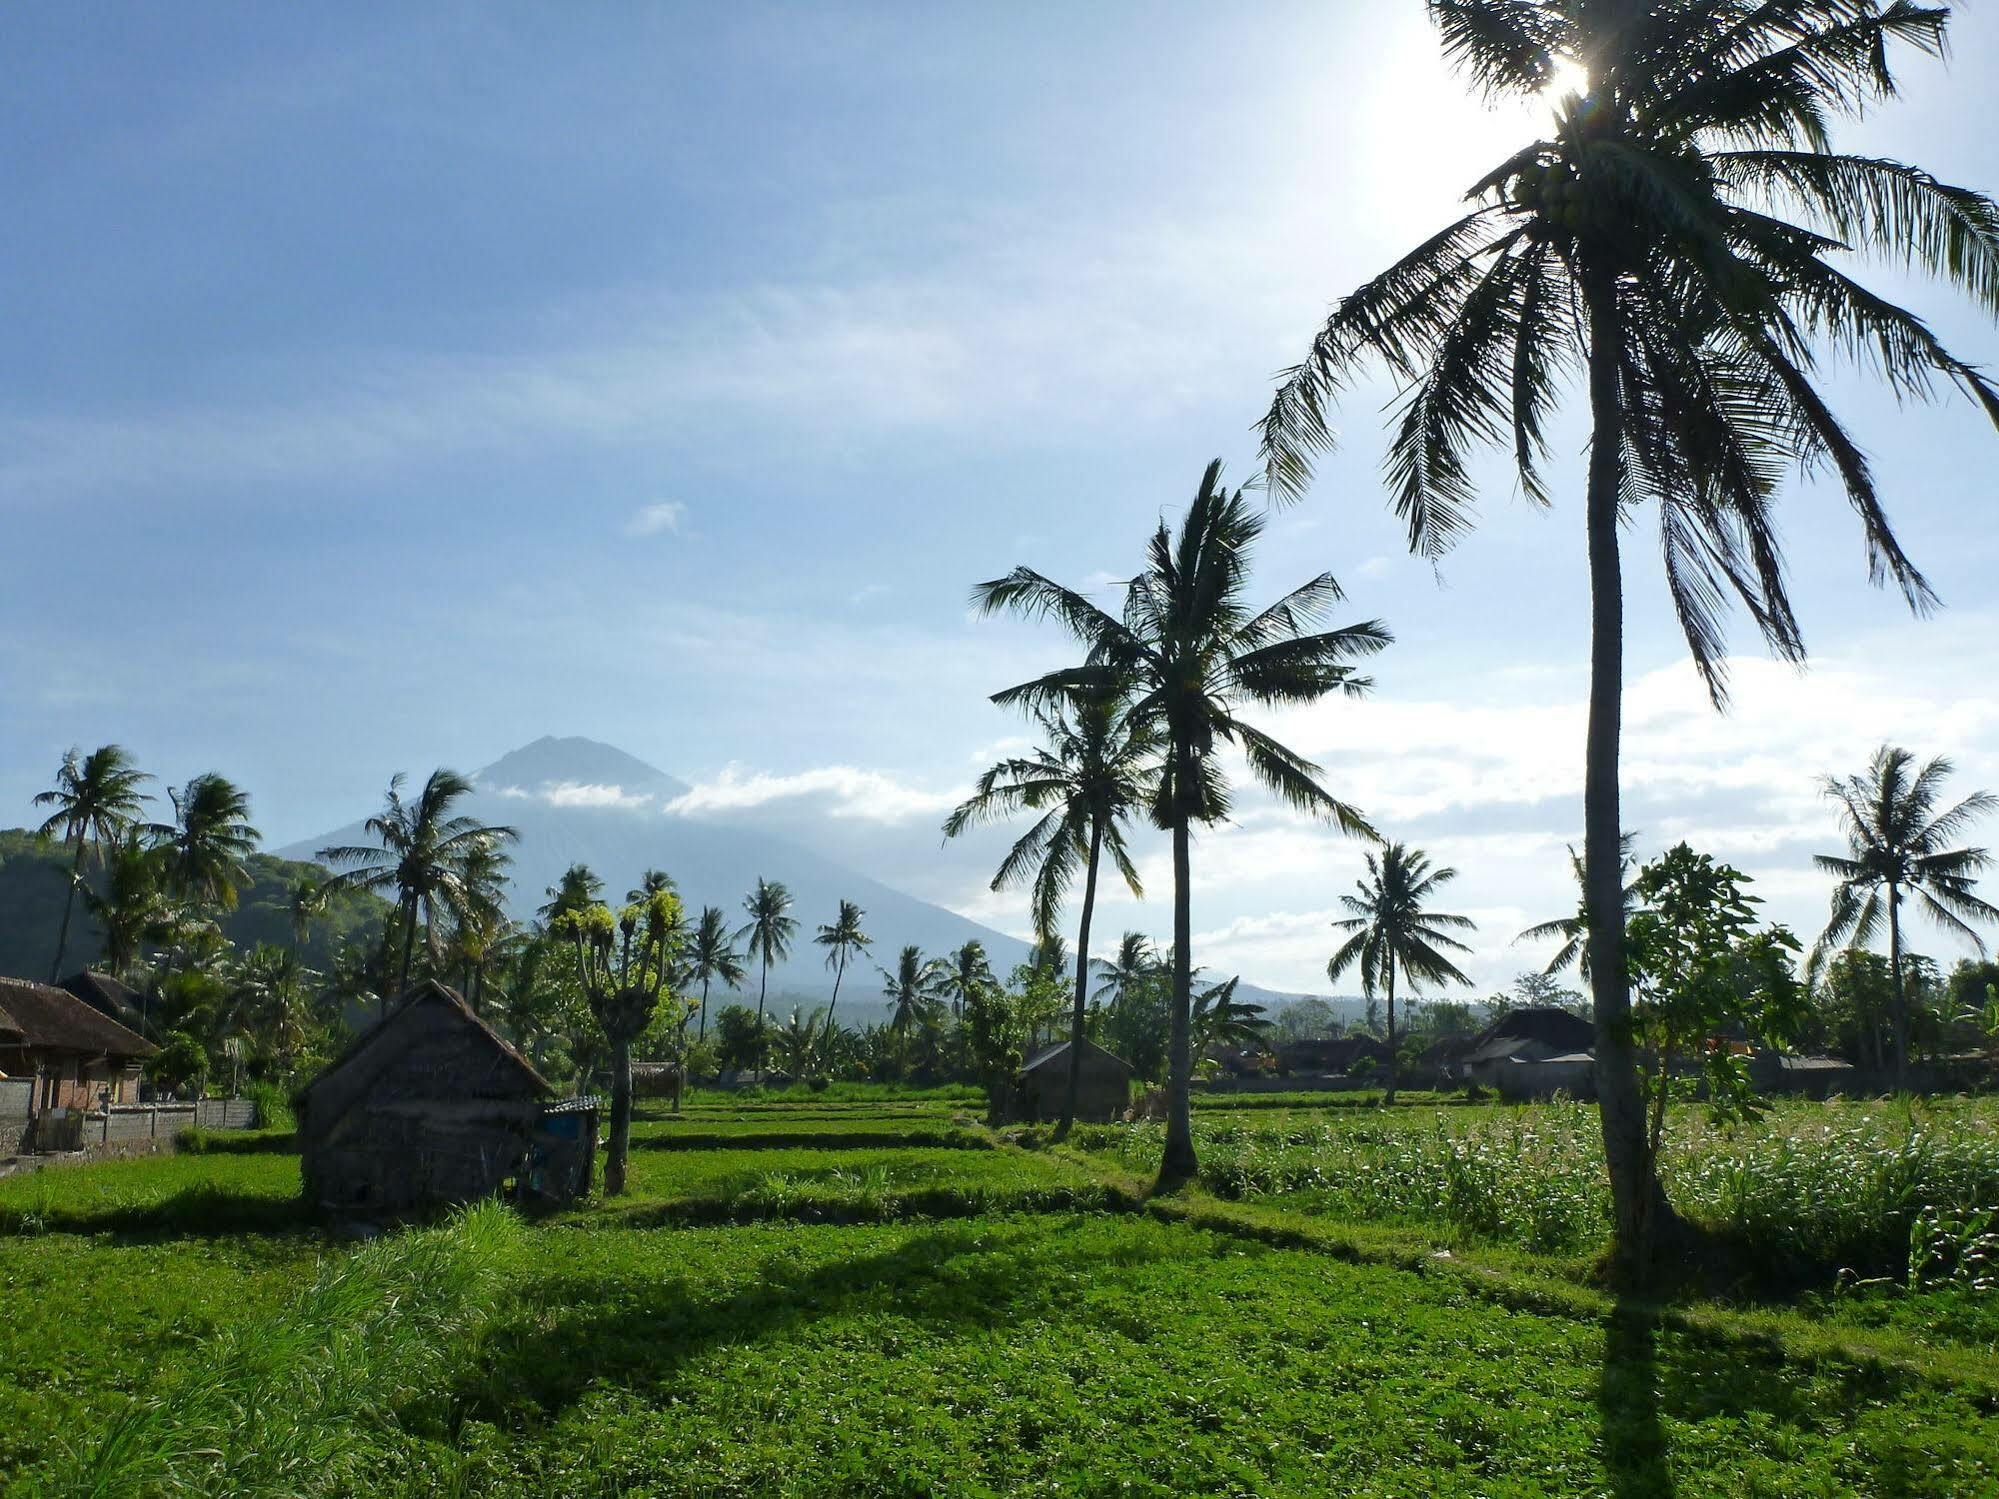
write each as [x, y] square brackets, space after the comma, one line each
[48, 1018]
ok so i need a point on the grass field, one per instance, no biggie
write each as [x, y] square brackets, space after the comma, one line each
[874, 1295]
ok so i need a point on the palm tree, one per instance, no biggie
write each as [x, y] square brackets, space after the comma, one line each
[967, 973]
[1394, 930]
[96, 798]
[770, 930]
[1195, 654]
[842, 938]
[425, 853]
[131, 910]
[912, 989]
[1574, 930]
[1898, 841]
[1097, 764]
[578, 888]
[1134, 964]
[1220, 1019]
[712, 956]
[1645, 246]
[205, 846]
[305, 903]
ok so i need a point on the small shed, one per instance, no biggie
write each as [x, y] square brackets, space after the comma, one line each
[1103, 1085]
[431, 1108]
[78, 1057]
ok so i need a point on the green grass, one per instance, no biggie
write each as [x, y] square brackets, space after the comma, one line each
[872, 1315]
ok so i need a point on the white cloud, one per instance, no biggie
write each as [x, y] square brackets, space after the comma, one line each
[578, 794]
[653, 520]
[840, 791]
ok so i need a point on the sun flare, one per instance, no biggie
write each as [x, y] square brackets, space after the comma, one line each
[1566, 78]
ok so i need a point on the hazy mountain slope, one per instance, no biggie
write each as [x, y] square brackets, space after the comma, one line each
[577, 801]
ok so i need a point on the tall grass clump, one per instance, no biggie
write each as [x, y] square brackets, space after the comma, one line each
[310, 1401]
[274, 1106]
[1868, 1189]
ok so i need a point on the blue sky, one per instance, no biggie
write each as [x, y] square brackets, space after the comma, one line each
[387, 386]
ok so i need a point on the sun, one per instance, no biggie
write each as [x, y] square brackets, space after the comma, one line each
[1566, 78]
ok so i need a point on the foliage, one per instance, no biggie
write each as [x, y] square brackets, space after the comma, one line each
[180, 1066]
[740, 1040]
[1704, 975]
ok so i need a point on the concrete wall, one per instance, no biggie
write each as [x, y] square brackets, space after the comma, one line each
[118, 1125]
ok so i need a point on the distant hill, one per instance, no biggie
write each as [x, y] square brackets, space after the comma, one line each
[34, 877]
[579, 801]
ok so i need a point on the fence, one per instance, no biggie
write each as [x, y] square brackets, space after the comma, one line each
[74, 1129]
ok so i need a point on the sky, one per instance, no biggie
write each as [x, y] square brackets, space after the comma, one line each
[386, 386]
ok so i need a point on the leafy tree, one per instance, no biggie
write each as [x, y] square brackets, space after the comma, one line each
[1097, 764]
[625, 964]
[180, 1066]
[95, 801]
[769, 932]
[1644, 246]
[270, 1007]
[1194, 654]
[842, 938]
[1574, 930]
[1703, 973]
[1394, 930]
[740, 1039]
[1307, 1019]
[1856, 1006]
[713, 956]
[1899, 842]
[426, 853]
[1137, 1024]
[996, 1038]
[206, 845]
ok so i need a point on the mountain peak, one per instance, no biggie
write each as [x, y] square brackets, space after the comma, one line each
[552, 761]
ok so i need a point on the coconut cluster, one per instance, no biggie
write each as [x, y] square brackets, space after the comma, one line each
[1552, 189]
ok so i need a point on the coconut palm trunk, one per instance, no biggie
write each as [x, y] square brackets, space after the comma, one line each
[409, 951]
[1900, 991]
[839, 972]
[68, 908]
[1639, 1205]
[704, 1008]
[1394, 1062]
[1178, 1163]
[1071, 1088]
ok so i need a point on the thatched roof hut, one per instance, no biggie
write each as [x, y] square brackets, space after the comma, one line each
[429, 1108]
[1103, 1084]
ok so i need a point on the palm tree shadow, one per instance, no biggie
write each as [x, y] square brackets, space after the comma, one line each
[1628, 1398]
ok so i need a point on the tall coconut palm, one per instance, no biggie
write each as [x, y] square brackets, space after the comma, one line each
[769, 932]
[305, 903]
[204, 848]
[1395, 932]
[1574, 930]
[1096, 766]
[843, 939]
[1898, 841]
[578, 887]
[1679, 241]
[424, 851]
[712, 955]
[95, 799]
[1195, 654]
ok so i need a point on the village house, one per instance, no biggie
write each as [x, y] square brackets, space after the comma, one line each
[76, 1057]
[430, 1108]
[1103, 1084]
[1534, 1052]
[1332, 1056]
